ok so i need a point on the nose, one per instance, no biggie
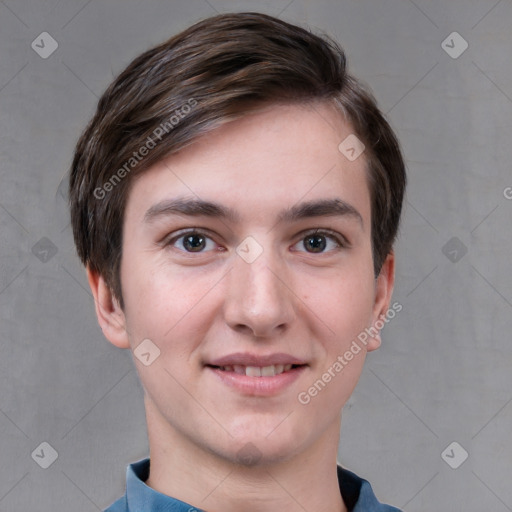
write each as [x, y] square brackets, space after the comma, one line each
[259, 300]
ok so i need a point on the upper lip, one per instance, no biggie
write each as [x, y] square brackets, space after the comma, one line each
[247, 359]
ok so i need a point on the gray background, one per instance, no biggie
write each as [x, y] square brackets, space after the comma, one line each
[444, 371]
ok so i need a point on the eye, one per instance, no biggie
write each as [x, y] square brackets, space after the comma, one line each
[319, 241]
[192, 241]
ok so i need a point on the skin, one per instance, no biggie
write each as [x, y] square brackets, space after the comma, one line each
[196, 306]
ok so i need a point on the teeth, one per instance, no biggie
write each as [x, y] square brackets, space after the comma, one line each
[253, 371]
[268, 371]
[256, 371]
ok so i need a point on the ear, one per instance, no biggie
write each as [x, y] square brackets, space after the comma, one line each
[110, 315]
[383, 290]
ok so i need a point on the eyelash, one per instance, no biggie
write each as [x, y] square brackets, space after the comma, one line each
[340, 240]
[183, 234]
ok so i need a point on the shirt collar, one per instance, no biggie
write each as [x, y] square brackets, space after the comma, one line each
[357, 493]
[142, 498]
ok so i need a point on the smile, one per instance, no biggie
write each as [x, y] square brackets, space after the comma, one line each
[257, 371]
[260, 381]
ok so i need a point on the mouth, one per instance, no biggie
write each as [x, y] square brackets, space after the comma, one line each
[258, 371]
[257, 381]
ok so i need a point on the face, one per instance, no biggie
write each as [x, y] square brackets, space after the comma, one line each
[252, 249]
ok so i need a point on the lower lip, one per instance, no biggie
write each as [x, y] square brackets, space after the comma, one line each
[258, 386]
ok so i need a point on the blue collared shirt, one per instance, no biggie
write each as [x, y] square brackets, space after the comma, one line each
[356, 492]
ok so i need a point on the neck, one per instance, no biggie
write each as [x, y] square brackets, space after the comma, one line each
[210, 481]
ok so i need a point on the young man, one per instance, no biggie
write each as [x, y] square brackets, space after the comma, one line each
[235, 200]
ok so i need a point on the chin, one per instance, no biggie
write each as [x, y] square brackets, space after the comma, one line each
[260, 451]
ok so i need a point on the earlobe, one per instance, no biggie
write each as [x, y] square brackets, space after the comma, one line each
[374, 340]
[383, 291]
[110, 316]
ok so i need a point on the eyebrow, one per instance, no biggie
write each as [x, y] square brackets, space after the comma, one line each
[198, 207]
[320, 208]
[191, 207]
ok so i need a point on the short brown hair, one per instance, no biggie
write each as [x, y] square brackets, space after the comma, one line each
[216, 71]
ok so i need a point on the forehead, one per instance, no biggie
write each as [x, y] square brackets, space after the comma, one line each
[259, 164]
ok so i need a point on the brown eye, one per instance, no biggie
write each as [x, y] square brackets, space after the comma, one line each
[194, 242]
[316, 243]
[321, 241]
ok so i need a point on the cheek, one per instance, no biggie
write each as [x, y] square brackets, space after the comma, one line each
[162, 306]
[346, 314]
[344, 301]
[161, 302]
